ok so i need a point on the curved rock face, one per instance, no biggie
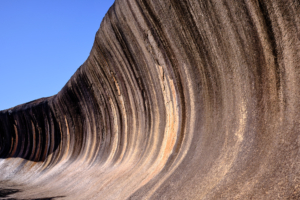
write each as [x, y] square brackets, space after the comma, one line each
[178, 100]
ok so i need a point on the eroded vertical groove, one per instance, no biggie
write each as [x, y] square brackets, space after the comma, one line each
[177, 100]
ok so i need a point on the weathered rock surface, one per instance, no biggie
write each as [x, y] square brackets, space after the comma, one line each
[178, 100]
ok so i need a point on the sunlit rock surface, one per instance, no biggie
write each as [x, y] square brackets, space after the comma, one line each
[178, 100]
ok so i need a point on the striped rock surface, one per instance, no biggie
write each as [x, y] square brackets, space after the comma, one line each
[178, 100]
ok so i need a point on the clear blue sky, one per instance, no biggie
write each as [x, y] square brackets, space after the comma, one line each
[42, 43]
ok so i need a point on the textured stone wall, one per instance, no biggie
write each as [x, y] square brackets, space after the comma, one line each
[178, 100]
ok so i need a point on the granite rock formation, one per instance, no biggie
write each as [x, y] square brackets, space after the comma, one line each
[178, 100]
